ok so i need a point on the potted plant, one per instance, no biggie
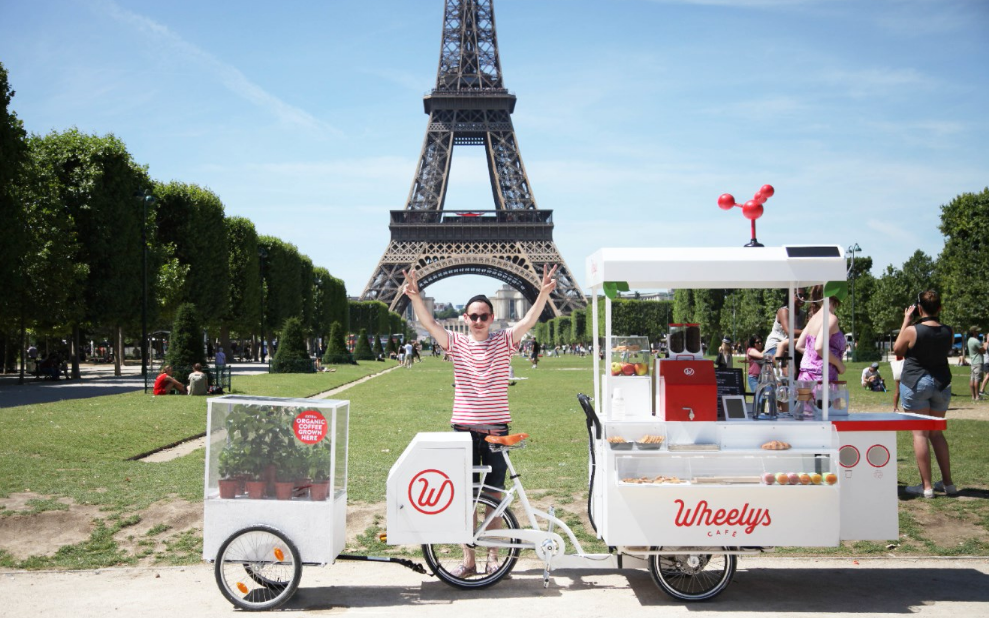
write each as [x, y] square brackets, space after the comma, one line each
[319, 471]
[256, 460]
[289, 460]
[230, 466]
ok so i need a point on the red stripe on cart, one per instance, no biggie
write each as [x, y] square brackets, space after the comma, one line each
[908, 424]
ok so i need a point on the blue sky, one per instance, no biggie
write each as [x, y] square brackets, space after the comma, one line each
[632, 116]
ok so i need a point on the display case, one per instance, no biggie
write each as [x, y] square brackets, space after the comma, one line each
[630, 356]
[765, 484]
[279, 462]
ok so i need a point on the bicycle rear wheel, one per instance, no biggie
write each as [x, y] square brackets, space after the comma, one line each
[447, 560]
[258, 568]
[692, 576]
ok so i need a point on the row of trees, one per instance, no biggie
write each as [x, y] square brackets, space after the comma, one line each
[957, 274]
[74, 212]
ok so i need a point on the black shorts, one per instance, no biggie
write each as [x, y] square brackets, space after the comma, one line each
[482, 455]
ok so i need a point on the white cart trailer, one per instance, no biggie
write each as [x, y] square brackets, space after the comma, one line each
[275, 494]
[703, 496]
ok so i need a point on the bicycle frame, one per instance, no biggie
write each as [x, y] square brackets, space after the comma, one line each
[546, 543]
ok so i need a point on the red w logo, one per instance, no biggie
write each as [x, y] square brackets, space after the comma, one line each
[435, 492]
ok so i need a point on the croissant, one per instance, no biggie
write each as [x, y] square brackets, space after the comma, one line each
[775, 445]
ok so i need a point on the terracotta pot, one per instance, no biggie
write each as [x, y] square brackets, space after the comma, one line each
[283, 489]
[228, 488]
[270, 472]
[255, 489]
[319, 490]
[301, 489]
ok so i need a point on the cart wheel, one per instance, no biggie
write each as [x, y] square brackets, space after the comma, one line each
[692, 576]
[258, 568]
[446, 560]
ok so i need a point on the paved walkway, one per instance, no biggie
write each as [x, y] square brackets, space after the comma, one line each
[764, 587]
[97, 380]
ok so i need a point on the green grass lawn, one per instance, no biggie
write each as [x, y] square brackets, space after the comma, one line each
[81, 450]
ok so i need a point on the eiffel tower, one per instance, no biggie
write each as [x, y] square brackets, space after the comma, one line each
[471, 107]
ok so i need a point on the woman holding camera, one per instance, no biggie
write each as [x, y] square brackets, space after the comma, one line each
[925, 386]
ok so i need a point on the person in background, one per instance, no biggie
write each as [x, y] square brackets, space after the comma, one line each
[754, 356]
[896, 367]
[481, 362]
[811, 340]
[407, 359]
[925, 386]
[778, 341]
[221, 358]
[535, 354]
[976, 354]
[869, 375]
[165, 383]
[198, 382]
[725, 359]
[985, 369]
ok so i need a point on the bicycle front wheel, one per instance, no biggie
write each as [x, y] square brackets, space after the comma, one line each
[258, 568]
[692, 576]
[449, 562]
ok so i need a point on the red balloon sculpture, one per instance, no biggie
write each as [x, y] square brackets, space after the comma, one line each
[751, 210]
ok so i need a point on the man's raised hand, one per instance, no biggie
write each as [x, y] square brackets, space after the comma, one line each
[549, 283]
[411, 287]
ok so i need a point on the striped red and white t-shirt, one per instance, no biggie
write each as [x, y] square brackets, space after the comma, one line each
[480, 370]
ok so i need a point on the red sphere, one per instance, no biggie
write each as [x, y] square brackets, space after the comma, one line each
[752, 210]
[767, 190]
[726, 201]
[760, 198]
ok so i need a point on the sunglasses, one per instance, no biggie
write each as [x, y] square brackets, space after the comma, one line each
[474, 317]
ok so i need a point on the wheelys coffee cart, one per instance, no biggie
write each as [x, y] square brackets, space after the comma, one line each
[688, 493]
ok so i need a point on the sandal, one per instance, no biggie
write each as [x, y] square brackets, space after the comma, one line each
[493, 563]
[464, 571]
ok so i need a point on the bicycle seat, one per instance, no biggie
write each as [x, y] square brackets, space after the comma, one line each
[511, 440]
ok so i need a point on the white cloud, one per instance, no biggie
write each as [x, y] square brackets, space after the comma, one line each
[230, 76]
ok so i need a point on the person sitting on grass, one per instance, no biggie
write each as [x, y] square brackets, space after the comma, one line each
[165, 383]
[198, 381]
[869, 375]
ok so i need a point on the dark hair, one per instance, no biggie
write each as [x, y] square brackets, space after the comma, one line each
[930, 301]
[480, 298]
[753, 339]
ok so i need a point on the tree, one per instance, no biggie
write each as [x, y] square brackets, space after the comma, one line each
[185, 345]
[243, 313]
[336, 351]
[191, 219]
[89, 182]
[13, 232]
[363, 349]
[291, 356]
[963, 266]
[889, 297]
[377, 349]
[283, 280]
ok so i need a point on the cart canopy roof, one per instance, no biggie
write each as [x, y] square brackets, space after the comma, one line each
[716, 267]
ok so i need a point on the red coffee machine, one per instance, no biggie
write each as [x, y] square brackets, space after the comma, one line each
[686, 390]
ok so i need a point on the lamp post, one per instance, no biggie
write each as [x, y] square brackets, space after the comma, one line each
[262, 255]
[851, 273]
[145, 198]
